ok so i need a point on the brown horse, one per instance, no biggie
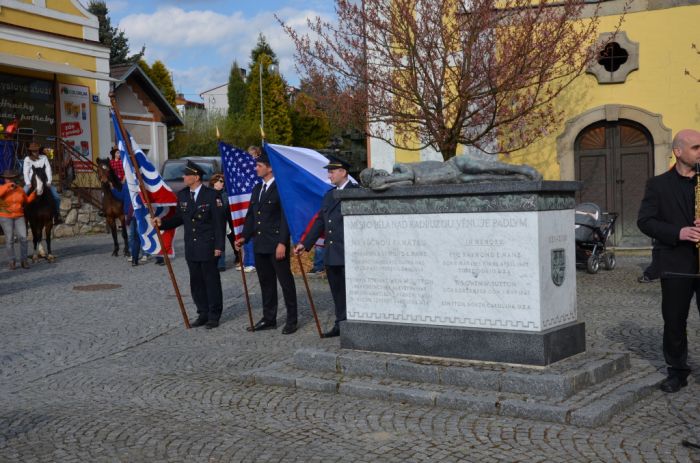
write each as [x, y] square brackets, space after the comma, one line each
[112, 208]
[40, 212]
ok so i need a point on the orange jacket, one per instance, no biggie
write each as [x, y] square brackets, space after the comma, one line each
[12, 200]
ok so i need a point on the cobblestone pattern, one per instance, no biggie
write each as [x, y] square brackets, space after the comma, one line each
[113, 377]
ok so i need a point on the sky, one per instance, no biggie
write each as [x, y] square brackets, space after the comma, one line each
[198, 40]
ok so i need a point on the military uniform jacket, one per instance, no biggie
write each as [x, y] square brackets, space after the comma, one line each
[265, 221]
[202, 221]
[662, 214]
[329, 220]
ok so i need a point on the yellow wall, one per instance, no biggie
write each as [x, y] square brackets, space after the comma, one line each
[42, 23]
[49, 54]
[79, 61]
[658, 86]
[64, 6]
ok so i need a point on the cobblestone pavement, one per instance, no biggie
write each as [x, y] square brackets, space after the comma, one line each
[111, 375]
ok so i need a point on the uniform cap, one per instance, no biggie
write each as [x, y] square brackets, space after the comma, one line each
[336, 163]
[193, 169]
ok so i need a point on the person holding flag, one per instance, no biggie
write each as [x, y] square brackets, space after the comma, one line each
[200, 211]
[330, 220]
[265, 221]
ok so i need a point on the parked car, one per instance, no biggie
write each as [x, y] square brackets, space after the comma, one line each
[171, 171]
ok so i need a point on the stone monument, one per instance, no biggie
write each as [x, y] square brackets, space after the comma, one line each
[476, 270]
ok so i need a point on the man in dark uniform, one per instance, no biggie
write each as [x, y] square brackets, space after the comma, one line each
[667, 214]
[199, 210]
[330, 220]
[266, 223]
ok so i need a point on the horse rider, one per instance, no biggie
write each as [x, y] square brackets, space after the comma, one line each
[37, 159]
[12, 202]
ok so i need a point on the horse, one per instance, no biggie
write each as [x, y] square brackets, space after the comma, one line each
[40, 212]
[112, 208]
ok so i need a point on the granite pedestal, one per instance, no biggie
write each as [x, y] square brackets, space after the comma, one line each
[471, 271]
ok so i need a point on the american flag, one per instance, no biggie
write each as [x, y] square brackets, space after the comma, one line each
[239, 172]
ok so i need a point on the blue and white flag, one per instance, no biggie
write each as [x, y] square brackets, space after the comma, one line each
[302, 182]
[161, 196]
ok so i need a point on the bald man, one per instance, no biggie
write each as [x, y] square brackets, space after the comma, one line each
[667, 214]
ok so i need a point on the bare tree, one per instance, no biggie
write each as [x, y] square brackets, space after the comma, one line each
[440, 73]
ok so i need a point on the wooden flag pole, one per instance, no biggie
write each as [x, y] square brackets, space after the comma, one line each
[245, 290]
[311, 299]
[147, 200]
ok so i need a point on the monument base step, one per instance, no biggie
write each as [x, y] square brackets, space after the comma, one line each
[493, 345]
[587, 392]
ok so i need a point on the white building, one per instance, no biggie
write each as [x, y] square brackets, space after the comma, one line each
[216, 99]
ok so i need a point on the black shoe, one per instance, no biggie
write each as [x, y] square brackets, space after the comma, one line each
[199, 322]
[222, 269]
[212, 324]
[135, 263]
[289, 329]
[335, 332]
[673, 384]
[57, 220]
[646, 279]
[160, 262]
[263, 325]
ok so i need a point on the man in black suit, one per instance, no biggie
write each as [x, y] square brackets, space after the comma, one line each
[265, 221]
[199, 210]
[667, 214]
[330, 220]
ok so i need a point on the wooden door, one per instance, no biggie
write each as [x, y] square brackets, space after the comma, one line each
[614, 160]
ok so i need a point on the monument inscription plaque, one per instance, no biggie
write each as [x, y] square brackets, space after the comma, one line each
[485, 270]
[491, 279]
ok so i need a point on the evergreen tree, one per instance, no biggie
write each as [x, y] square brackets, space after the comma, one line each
[161, 77]
[262, 48]
[278, 126]
[310, 125]
[236, 92]
[112, 37]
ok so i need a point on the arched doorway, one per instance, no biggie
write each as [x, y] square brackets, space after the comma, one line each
[614, 159]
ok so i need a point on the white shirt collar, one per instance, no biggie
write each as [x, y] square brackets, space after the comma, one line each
[196, 191]
[341, 187]
[269, 182]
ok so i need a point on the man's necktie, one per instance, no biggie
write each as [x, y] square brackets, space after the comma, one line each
[264, 189]
[192, 196]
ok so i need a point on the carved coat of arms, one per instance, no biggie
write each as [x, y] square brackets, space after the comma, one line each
[558, 266]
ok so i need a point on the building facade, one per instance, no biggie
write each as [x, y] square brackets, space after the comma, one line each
[146, 113]
[620, 117]
[54, 74]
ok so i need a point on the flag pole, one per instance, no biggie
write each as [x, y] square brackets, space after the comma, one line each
[311, 299]
[147, 200]
[245, 290]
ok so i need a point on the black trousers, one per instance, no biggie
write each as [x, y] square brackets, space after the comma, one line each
[652, 271]
[270, 270]
[676, 294]
[336, 280]
[205, 285]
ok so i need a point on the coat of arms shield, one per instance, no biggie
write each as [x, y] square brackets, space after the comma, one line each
[558, 266]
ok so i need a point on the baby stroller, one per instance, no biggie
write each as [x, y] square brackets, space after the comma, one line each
[593, 228]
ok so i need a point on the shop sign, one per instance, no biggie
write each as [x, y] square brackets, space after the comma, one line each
[74, 101]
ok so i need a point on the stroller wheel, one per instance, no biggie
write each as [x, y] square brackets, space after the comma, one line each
[593, 264]
[609, 261]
